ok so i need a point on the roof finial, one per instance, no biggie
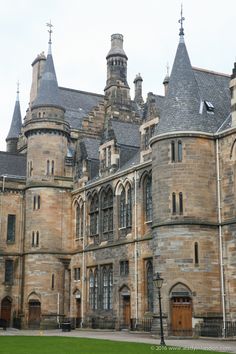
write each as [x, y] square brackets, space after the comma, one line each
[18, 91]
[50, 37]
[181, 30]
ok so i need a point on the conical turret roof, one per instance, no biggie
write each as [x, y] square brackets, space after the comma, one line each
[16, 122]
[48, 92]
[181, 109]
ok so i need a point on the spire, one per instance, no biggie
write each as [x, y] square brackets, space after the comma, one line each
[181, 111]
[16, 122]
[181, 30]
[48, 93]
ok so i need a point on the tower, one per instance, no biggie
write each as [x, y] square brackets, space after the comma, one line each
[47, 193]
[117, 88]
[184, 199]
[16, 124]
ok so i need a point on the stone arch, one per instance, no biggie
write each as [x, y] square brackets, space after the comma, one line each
[232, 151]
[181, 309]
[125, 306]
[34, 306]
[6, 309]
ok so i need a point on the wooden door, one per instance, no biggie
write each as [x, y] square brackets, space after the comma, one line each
[78, 312]
[181, 320]
[6, 310]
[34, 314]
[126, 311]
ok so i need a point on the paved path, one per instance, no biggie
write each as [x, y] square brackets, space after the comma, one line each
[219, 345]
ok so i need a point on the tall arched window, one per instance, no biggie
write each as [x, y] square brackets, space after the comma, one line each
[196, 255]
[107, 214]
[129, 208]
[173, 203]
[179, 151]
[149, 277]
[95, 289]
[181, 206]
[94, 215]
[79, 220]
[122, 209]
[148, 198]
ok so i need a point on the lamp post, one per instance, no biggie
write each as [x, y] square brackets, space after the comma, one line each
[158, 281]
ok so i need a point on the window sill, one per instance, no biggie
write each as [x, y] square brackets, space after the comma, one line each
[148, 222]
[11, 242]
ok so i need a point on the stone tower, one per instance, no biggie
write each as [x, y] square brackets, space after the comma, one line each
[15, 128]
[47, 195]
[233, 95]
[184, 199]
[117, 88]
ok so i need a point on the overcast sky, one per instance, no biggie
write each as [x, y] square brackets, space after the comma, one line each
[81, 40]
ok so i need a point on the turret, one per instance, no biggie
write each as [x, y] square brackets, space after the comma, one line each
[117, 88]
[232, 86]
[16, 124]
[138, 98]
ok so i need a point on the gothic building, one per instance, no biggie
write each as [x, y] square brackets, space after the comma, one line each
[100, 191]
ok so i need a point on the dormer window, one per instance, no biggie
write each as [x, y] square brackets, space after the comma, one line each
[209, 107]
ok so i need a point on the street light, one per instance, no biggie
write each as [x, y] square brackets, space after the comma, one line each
[158, 281]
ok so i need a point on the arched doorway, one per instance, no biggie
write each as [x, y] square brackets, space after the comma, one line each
[181, 310]
[78, 307]
[34, 313]
[125, 307]
[6, 305]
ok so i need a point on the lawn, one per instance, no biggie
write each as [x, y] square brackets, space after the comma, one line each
[65, 345]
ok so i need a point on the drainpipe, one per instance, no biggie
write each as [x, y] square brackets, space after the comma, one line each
[136, 247]
[83, 265]
[220, 239]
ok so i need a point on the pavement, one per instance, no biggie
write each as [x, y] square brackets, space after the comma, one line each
[219, 345]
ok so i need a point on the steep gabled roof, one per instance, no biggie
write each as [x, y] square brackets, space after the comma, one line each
[126, 133]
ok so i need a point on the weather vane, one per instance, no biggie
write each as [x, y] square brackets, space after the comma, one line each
[50, 32]
[181, 30]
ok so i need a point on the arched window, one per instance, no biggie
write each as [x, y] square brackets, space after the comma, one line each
[53, 282]
[95, 289]
[107, 214]
[94, 215]
[122, 209]
[148, 198]
[79, 221]
[149, 277]
[129, 208]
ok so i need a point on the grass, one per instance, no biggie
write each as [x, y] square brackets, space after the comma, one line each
[65, 345]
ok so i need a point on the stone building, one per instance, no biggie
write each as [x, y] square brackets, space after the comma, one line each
[101, 191]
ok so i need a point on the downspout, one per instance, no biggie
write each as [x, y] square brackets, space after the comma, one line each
[83, 266]
[220, 239]
[135, 248]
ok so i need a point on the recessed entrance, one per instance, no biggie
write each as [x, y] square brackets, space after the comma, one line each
[6, 310]
[34, 314]
[181, 311]
[126, 311]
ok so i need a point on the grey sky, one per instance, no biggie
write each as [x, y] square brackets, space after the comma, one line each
[81, 40]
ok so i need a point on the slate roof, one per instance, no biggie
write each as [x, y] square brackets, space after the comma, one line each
[126, 133]
[187, 88]
[16, 122]
[12, 164]
[77, 105]
[92, 147]
[48, 92]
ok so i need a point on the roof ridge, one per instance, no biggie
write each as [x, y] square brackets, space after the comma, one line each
[80, 91]
[210, 71]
